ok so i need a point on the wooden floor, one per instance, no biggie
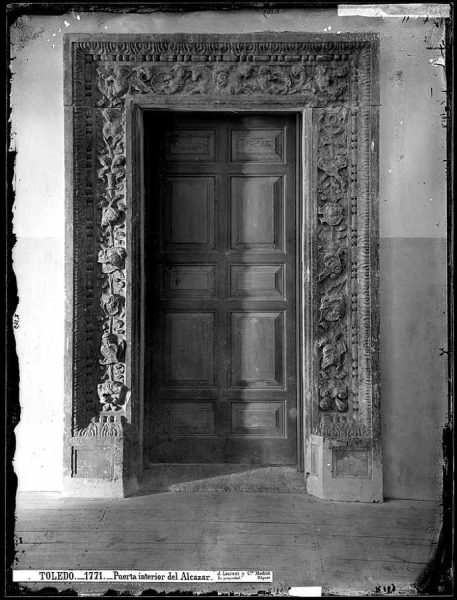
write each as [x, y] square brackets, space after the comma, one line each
[343, 547]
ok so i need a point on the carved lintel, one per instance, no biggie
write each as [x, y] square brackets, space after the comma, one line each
[216, 47]
[315, 83]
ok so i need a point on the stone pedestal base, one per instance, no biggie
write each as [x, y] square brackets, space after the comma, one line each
[99, 488]
[100, 468]
[348, 470]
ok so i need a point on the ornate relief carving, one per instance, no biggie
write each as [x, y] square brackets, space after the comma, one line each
[231, 48]
[317, 84]
[341, 426]
[102, 426]
[112, 391]
[332, 210]
[112, 394]
[333, 77]
[353, 261]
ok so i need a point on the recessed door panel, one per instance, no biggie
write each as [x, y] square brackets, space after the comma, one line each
[257, 205]
[188, 349]
[257, 281]
[188, 208]
[186, 145]
[189, 281]
[220, 361]
[257, 349]
[189, 418]
[258, 418]
[258, 145]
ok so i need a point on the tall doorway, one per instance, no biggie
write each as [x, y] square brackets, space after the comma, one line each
[219, 280]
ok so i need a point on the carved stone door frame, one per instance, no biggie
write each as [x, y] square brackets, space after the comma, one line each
[331, 80]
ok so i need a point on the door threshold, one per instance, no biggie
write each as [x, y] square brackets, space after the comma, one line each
[172, 477]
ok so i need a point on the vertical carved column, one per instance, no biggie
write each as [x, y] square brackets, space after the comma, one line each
[344, 450]
[97, 441]
[332, 318]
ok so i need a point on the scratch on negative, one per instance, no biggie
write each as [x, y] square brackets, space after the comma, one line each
[319, 549]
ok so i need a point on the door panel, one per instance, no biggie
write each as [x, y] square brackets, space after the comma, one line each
[257, 418]
[188, 209]
[257, 350]
[188, 349]
[256, 206]
[189, 146]
[188, 418]
[189, 281]
[220, 379]
[256, 281]
[258, 145]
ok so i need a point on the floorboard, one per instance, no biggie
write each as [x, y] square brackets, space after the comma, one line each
[344, 547]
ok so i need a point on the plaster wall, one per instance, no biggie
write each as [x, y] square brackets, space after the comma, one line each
[412, 227]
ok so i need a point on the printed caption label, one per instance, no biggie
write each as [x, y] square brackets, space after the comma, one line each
[66, 576]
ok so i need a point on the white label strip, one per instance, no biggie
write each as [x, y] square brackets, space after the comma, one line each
[431, 11]
[306, 592]
[92, 576]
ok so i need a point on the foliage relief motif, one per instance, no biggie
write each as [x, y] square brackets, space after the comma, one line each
[319, 81]
[112, 391]
[331, 338]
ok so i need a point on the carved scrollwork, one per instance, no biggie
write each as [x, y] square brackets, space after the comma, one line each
[112, 395]
[333, 394]
[114, 83]
[333, 349]
[112, 392]
[318, 84]
[112, 349]
[333, 264]
[332, 308]
[332, 161]
[102, 427]
[333, 389]
[331, 77]
[341, 426]
[112, 259]
[112, 304]
[331, 213]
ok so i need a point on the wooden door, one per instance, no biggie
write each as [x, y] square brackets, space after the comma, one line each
[220, 337]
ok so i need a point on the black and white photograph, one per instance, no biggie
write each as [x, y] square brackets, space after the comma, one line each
[229, 299]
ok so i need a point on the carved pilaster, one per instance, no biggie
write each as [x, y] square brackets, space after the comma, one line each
[333, 304]
[112, 390]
